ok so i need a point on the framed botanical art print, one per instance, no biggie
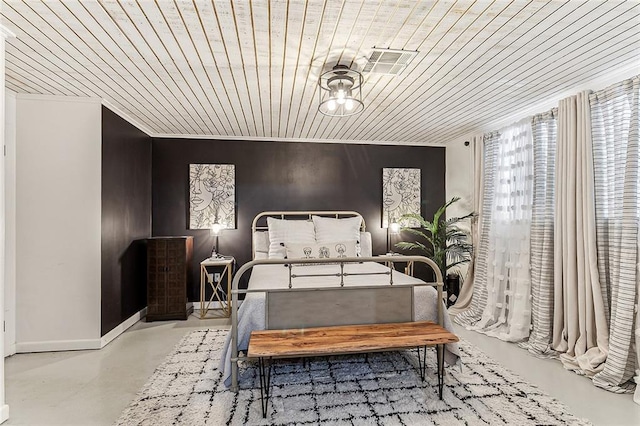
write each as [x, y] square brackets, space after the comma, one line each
[400, 195]
[212, 195]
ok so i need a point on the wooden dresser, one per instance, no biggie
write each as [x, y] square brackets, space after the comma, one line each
[168, 262]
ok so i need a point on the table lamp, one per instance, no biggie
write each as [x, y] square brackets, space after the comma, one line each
[393, 228]
[216, 229]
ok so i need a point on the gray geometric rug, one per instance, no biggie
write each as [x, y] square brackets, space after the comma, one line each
[380, 389]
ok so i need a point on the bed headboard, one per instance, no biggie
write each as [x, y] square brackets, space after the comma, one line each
[259, 223]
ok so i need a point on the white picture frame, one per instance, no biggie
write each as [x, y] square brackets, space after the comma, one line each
[212, 195]
[400, 195]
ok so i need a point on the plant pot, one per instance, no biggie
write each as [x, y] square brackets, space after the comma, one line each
[452, 286]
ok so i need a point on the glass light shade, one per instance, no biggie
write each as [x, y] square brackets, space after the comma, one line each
[216, 228]
[394, 228]
[340, 93]
[348, 104]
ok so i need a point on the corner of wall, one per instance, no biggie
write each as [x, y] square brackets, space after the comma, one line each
[126, 218]
[4, 413]
[459, 175]
[122, 327]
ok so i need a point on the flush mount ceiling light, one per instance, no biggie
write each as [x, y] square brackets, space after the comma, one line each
[340, 92]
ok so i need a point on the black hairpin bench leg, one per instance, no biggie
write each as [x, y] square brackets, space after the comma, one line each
[422, 363]
[265, 384]
[440, 353]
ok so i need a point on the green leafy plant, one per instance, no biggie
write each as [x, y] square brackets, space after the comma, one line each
[445, 242]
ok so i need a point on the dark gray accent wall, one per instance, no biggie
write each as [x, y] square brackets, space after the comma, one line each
[126, 219]
[285, 176]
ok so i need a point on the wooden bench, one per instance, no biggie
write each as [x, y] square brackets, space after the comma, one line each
[349, 339]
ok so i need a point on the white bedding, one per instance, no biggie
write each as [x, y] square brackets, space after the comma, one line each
[251, 314]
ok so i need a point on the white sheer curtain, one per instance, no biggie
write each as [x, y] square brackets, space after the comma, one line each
[616, 125]
[507, 314]
[506, 308]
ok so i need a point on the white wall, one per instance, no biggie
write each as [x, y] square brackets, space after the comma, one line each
[58, 196]
[459, 179]
[10, 224]
[4, 33]
[459, 175]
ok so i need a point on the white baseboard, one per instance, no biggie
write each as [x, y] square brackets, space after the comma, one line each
[11, 350]
[118, 330]
[212, 305]
[4, 413]
[80, 344]
[57, 345]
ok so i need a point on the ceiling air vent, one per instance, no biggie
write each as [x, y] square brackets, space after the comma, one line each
[389, 61]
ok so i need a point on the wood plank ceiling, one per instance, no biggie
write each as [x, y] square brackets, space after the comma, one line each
[249, 68]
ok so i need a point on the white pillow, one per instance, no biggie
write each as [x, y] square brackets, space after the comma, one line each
[329, 229]
[365, 244]
[261, 243]
[333, 250]
[283, 232]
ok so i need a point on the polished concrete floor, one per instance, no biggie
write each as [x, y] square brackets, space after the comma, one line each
[93, 387]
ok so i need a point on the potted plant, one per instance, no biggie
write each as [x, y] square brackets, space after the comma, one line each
[444, 241]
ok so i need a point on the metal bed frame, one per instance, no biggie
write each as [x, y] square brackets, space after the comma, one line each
[398, 298]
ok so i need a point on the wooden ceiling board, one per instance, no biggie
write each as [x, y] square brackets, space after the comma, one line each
[377, 84]
[71, 48]
[322, 54]
[99, 45]
[425, 64]
[495, 78]
[174, 45]
[69, 70]
[557, 73]
[190, 35]
[250, 68]
[339, 51]
[260, 18]
[127, 61]
[307, 37]
[115, 28]
[131, 18]
[21, 69]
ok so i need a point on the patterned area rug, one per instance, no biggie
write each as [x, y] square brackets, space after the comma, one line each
[380, 389]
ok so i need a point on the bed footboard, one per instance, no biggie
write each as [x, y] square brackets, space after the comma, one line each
[328, 306]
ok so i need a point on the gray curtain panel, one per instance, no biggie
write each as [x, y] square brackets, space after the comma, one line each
[544, 129]
[615, 123]
[479, 299]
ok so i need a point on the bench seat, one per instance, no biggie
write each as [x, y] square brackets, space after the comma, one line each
[346, 339]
